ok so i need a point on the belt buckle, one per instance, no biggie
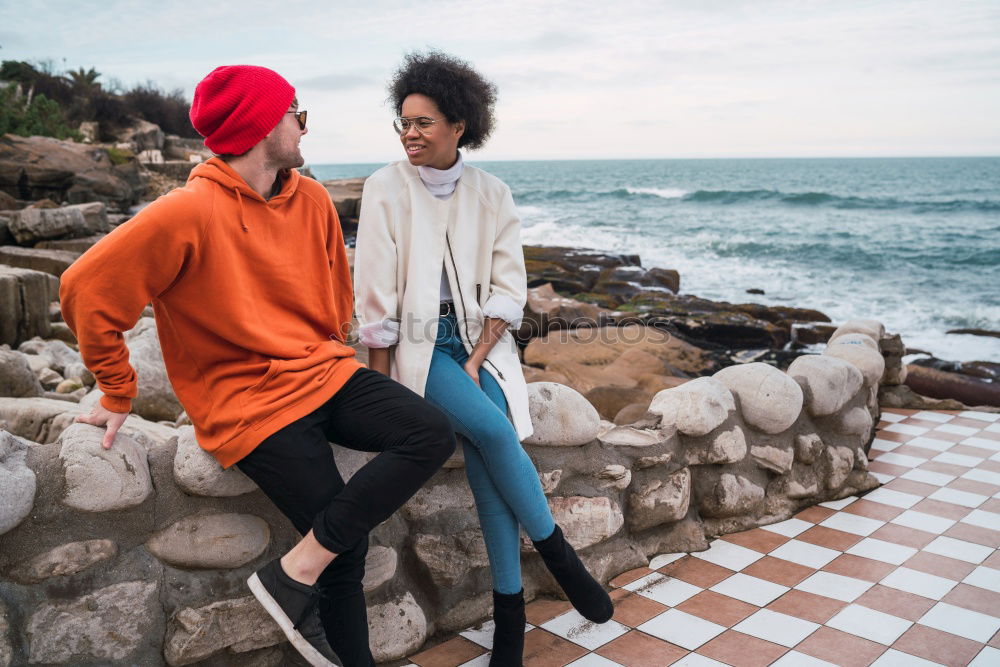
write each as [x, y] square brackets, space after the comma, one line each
[447, 308]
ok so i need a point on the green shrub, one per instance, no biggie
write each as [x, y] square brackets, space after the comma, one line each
[41, 116]
[120, 155]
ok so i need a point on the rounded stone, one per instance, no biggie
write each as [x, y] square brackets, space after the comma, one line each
[211, 541]
[871, 328]
[198, 473]
[855, 339]
[17, 482]
[696, 407]
[827, 382]
[156, 400]
[865, 359]
[561, 416]
[98, 479]
[856, 421]
[396, 628]
[769, 399]
[63, 560]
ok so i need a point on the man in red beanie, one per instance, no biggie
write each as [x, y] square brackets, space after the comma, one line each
[246, 269]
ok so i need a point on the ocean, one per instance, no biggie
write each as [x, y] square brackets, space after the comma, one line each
[912, 242]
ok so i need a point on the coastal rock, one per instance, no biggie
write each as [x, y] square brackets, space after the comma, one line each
[561, 416]
[32, 418]
[609, 400]
[49, 379]
[80, 245]
[346, 195]
[584, 378]
[109, 624]
[64, 560]
[144, 135]
[198, 473]
[851, 349]
[631, 413]
[448, 558]
[32, 168]
[827, 382]
[598, 346]
[729, 446]
[193, 634]
[17, 482]
[37, 224]
[729, 495]
[546, 310]
[380, 567]
[16, 376]
[628, 436]
[934, 383]
[57, 354]
[396, 628]
[769, 400]
[855, 339]
[53, 262]
[98, 479]
[156, 399]
[808, 448]
[695, 408]
[656, 501]
[24, 303]
[211, 541]
[586, 521]
[69, 386]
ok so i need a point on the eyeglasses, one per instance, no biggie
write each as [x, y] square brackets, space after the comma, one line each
[423, 124]
[301, 117]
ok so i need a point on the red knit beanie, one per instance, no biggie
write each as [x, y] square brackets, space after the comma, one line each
[235, 106]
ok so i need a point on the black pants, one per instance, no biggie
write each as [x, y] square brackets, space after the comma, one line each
[295, 468]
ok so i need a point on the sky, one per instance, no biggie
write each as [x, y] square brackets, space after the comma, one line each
[580, 79]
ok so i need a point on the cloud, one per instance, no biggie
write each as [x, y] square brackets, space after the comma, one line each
[338, 81]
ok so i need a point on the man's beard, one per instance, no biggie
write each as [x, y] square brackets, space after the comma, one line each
[278, 158]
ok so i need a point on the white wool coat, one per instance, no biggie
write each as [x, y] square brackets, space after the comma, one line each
[403, 240]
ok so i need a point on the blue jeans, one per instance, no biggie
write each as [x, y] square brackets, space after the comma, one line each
[502, 477]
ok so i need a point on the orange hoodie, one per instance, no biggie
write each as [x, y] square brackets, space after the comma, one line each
[252, 299]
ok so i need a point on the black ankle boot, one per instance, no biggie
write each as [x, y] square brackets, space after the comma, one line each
[508, 637]
[583, 591]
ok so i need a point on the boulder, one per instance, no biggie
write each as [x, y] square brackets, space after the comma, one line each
[36, 167]
[657, 500]
[211, 541]
[346, 195]
[871, 328]
[98, 479]
[840, 461]
[854, 350]
[80, 245]
[769, 399]
[396, 628]
[24, 303]
[934, 383]
[584, 378]
[17, 482]
[729, 446]
[380, 567]
[730, 495]
[198, 473]
[856, 421]
[49, 379]
[37, 224]
[609, 400]
[63, 560]
[16, 376]
[561, 416]
[631, 413]
[156, 400]
[53, 262]
[143, 134]
[109, 624]
[546, 310]
[431, 499]
[449, 557]
[827, 382]
[32, 418]
[695, 408]
[194, 633]
[586, 521]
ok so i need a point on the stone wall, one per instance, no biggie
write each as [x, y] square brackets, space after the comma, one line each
[138, 555]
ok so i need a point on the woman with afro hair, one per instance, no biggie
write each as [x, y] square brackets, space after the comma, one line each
[440, 282]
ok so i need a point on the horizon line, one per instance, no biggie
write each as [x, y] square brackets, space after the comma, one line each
[669, 159]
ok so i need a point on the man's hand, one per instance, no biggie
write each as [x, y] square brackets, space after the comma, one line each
[100, 416]
[471, 367]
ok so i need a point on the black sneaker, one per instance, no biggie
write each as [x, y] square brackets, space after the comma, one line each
[293, 607]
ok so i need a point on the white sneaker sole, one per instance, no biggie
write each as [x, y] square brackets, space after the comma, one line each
[271, 606]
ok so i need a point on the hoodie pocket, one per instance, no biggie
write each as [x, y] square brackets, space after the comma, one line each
[252, 409]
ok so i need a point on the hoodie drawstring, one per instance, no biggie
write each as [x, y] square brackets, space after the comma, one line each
[239, 203]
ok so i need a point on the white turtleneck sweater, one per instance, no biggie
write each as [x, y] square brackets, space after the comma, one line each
[441, 183]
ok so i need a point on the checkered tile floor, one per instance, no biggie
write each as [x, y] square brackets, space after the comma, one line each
[907, 575]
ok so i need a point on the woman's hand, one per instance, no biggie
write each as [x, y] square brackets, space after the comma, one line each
[471, 367]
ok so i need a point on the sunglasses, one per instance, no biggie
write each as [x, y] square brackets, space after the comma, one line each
[301, 117]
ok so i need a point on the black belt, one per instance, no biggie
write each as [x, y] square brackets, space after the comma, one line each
[447, 308]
